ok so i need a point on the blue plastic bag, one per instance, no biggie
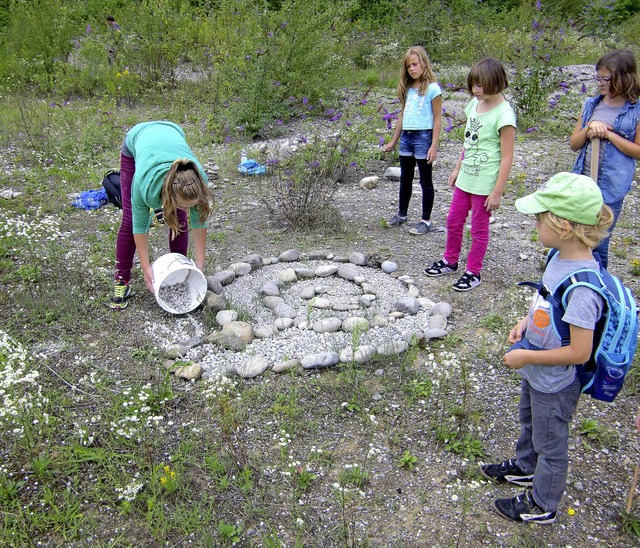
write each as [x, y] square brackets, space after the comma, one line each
[91, 199]
[251, 167]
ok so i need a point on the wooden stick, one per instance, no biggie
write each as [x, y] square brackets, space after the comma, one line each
[595, 158]
[634, 483]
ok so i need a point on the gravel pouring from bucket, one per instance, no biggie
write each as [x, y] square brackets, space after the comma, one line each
[179, 286]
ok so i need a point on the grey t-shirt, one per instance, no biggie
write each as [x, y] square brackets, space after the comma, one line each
[583, 309]
[602, 113]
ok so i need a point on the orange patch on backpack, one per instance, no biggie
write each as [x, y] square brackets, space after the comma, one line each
[541, 319]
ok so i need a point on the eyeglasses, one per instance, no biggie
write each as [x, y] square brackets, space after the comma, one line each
[603, 80]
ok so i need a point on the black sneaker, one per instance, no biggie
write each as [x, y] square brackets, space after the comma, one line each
[467, 282]
[397, 220]
[440, 268]
[507, 471]
[523, 508]
[121, 292]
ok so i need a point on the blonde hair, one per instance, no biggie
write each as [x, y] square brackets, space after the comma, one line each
[588, 235]
[184, 182]
[490, 74]
[427, 77]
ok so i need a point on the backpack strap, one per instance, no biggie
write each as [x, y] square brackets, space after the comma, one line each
[559, 297]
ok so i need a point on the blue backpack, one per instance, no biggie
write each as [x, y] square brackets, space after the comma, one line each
[615, 335]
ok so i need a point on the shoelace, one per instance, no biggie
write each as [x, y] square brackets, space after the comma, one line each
[120, 291]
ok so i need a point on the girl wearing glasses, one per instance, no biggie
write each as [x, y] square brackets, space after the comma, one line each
[613, 116]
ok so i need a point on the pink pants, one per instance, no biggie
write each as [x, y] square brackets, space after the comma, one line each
[125, 244]
[461, 203]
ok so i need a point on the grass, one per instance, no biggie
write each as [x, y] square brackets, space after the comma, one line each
[101, 445]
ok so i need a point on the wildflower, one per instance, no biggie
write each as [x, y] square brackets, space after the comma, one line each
[381, 141]
[583, 89]
[363, 102]
[571, 511]
[305, 101]
[163, 480]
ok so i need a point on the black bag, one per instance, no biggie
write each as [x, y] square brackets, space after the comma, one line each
[111, 184]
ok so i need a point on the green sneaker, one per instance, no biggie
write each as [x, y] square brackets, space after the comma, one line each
[121, 292]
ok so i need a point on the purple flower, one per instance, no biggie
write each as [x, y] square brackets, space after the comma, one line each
[364, 102]
[227, 139]
[305, 101]
[381, 141]
[353, 164]
[538, 5]
[247, 57]
[303, 139]
[336, 117]
[329, 112]
[279, 122]
[88, 31]
[348, 123]
[563, 85]
[531, 129]
[553, 102]
[583, 89]
[269, 33]
[283, 25]
[449, 125]
[536, 25]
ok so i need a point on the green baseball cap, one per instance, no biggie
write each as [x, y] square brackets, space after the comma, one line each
[571, 196]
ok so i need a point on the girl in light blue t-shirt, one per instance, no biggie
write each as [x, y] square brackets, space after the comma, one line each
[418, 129]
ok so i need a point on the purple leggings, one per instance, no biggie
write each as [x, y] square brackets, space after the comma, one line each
[461, 204]
[125, 244]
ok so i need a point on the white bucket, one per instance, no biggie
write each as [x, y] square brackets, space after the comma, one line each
[178, 285]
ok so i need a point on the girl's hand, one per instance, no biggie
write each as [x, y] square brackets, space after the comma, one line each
[389, 146]
[453, 178]
[432, 154]
[598, 129]
[516, 359]
[148, 279]
[492, 202]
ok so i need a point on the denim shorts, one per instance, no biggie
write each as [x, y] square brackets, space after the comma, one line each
[415, 142]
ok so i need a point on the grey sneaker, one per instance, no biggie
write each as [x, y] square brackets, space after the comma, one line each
[423, 227]
[397, 220]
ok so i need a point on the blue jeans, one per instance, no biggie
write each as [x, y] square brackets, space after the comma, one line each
[543, 446]
[415, 142]
[603, 246]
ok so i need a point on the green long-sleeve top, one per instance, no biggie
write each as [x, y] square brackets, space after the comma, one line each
[154, 147]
